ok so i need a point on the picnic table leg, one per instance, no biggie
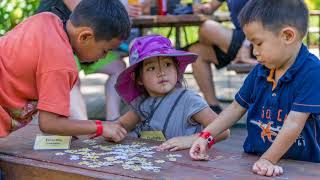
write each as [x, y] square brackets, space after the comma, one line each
[185, 35]
[169, 33]
[178, 45]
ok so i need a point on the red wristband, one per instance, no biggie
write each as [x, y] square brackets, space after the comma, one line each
[99, 130]
[207, 136]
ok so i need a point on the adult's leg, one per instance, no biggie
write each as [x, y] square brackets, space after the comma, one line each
[211, 34]
[113, 69]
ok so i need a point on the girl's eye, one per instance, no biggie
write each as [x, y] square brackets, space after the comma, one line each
[150, 68]
[168, 64]
[259, 44]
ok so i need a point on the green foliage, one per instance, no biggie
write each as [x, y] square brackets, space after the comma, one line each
[313, 4]
[13, 12]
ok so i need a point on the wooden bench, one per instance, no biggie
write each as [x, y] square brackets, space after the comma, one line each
[176, 21]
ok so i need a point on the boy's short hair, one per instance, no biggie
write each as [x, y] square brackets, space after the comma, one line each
[276, 14]
[107, 18]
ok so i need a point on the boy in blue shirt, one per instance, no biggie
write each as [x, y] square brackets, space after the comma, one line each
[281, 94]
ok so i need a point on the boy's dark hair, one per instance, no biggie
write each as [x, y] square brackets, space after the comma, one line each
[107, 18]
[276, 14]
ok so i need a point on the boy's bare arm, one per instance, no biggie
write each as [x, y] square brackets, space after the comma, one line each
[229, 116]
[129, 120]
[289, 132]
[205, 117]
[226, 119]
[54, 124]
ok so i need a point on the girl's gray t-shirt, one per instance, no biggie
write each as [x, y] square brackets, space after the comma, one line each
[179, 123]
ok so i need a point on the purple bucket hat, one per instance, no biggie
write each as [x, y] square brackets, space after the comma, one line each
[143, 48]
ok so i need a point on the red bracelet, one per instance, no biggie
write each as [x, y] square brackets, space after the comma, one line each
[208, 137]
[99, 130]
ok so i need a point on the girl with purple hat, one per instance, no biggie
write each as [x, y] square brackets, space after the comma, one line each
[161, 109]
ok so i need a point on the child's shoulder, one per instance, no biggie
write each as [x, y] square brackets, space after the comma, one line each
[189, 96]
[35, 24]
[186, 92]
[43, 18]
[311, 64]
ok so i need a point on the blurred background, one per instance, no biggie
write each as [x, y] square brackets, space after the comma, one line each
[14, 11]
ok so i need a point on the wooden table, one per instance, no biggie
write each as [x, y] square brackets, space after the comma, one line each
[19, 161]
[175, 21]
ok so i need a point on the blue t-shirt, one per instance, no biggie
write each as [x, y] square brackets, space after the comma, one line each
[297, 90]
[235, 7]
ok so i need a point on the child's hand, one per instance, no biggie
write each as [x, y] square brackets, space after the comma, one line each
[199, 150]
[177, 143]
[113, 131]
[264, 167]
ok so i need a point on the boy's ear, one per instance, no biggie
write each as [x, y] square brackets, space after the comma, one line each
[288, 34]
[85, 35]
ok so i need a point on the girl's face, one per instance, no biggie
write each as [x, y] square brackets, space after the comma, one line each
[159, 76]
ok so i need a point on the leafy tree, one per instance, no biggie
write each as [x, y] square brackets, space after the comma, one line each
[14, 11]
[313, 4]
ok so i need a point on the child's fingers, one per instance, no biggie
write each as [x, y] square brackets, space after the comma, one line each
[281, 170]
[277, 171]
[255, 168]
[175, 148]
[123, 130]
[194, 152]
[203, 150]
[198, 150]
[118, 136]
[163, 147]
[262, 170]
[270, 170]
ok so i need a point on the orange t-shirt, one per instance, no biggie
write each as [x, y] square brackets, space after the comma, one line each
[36, 65]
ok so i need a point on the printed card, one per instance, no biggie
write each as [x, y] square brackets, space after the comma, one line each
[43, 142]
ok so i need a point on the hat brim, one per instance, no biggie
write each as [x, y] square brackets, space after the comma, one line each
[126, 86]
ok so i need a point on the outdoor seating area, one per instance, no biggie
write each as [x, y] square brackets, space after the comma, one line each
[159, 89]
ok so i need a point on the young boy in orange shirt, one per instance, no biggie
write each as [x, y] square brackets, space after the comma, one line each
[37, 69]
[281, 94]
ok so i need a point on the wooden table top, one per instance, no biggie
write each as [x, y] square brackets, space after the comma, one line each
[18, 159]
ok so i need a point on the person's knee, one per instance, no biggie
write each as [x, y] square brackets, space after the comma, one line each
[208, 30]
